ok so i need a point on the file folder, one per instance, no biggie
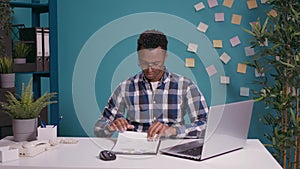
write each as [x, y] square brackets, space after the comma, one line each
[34, 38]
[46, 49]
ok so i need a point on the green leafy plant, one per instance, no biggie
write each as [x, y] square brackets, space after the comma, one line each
[277, 42]
[6, 65]
[5, 22]
[21, 50]
[25, 106]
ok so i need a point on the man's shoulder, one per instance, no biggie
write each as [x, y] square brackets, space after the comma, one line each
[132, 79]
[178, 77]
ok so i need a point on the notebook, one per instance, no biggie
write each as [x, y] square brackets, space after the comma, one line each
[226, 131]
[135, 143]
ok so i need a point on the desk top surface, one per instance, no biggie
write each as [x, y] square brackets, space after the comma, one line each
[84, 155]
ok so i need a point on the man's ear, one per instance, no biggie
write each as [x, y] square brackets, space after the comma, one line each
[166, 56]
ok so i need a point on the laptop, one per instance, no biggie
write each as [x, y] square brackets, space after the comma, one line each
[227, 130]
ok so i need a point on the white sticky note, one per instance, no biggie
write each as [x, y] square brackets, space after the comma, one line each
[249, 51]
[211, 70]
[225, 58]
[292, 90]
[199, 6]
[192, 47]
[244, 91]
[224, 79]
[258, 74]
[219, 17]
[212, 3]
[265, 43]
[297, 57]
[202, 27]
[277, 58]
[263, 1]
[235, 41]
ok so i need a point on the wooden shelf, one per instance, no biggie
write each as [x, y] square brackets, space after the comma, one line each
[38, 7]
[26, 68]
[3, 92]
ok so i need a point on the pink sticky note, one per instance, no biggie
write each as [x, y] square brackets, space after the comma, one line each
[211, 70]
[235, 41]
[219, 17]
[212, 3]
[249, 51]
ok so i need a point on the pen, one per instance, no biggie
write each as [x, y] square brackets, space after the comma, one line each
[58, 121]
[43, 124]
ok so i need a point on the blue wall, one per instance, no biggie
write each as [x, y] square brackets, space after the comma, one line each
[97, 43]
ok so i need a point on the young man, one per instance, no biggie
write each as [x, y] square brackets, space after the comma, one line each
[154, 100]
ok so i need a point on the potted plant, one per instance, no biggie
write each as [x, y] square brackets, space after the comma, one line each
[5, 27]
[25, 110]
[7, 76]
[20, 52]
[279, 61]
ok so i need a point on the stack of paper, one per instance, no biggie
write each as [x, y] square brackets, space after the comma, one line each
[129, 142]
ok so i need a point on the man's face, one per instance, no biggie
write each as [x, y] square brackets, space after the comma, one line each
[152, 62]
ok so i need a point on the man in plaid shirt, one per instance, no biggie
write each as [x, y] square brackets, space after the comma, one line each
[155, 100]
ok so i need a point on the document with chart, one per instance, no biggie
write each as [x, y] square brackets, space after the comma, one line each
[129, 142]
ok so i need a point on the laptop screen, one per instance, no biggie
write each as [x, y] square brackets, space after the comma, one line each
[227, 130]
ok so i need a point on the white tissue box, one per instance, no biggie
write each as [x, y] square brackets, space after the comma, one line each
[7, 154]
[47, 133]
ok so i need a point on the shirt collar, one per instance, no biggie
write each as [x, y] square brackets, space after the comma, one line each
[165, 78]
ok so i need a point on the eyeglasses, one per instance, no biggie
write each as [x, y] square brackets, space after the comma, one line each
[146, 65]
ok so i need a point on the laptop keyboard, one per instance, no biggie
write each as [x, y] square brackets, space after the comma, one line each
[193, 152]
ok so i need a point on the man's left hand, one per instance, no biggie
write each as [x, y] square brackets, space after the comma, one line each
[157, 129]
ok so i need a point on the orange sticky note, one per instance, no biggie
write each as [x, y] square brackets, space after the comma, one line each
[273, 13]
[236, 19]
[189, 62]
[217, 43]
[228, 3]
[242, 68]
[252, 4]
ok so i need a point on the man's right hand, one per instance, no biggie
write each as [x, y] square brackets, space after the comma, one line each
[120, 124]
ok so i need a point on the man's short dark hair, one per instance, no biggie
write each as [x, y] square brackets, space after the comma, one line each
[152, 39]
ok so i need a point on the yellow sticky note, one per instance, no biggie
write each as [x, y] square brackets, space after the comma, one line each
[236, 19]
[218, 43]
[252, 4]
[273, 13]
[189, 62]
[228, 3]
[242, 68]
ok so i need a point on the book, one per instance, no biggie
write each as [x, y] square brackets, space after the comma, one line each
[129, 142]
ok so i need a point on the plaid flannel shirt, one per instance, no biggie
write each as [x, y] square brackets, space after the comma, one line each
[174, 97]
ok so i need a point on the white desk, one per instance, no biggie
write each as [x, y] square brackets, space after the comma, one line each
[84, 155]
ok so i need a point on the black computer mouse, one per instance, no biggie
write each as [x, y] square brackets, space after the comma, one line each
[107, 155]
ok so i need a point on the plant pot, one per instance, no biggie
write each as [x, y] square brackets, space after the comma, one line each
[7, 80]
[24, 129]
[19, 60]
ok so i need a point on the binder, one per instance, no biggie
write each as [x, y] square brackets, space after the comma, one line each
[46, 49]
[34, 38]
